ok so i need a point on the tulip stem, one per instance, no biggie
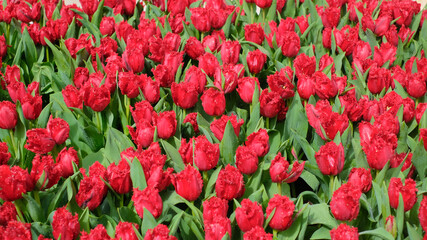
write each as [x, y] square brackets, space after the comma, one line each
[274, 234]
[127, 106]
[12, 139]
[98, 121]
[331, 185]
[279, 188]
[267, 123]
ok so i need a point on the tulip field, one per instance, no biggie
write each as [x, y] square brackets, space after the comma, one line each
[213, 119]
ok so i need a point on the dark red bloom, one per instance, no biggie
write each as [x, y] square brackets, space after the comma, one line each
[8, 115]
[150, 89]
[214, 207]
[125, 231]
[422, 213]
[378, 79]
[325, 87]
[254, 33]
[107, 26]
[98, 233]
[185, 94]
[257, 233]
[149, 199]
[4, 153]
[256, 60]
[58, 129]
[188, 183]
[89, 6]
[194, 48]
[192, 119]
[66, 158]
[270, 103]
[282, 218]
[360, 178]
[304, 65]
[39, 141]
[291, 44]
[129, 84]
[345, 202]
[7, 213]
[249, 215]
[281, 82]
[72, 97]
[159, 232]
[258, 142]
[230, 51]
[166, 124]
[142, 111]
[96, 97]
[213, 102]
[16, 230]
[218, 125]
[92, 189]
[66, 225]
[44, 166]
[330, 158]
[31, 106]
[119, 177]
[14, 181]
[206, 154]
[330, 16]
[408, 192]
[378, 145]
[200, 19]
[230, 183]
[143, 135]
[344, 232]
[246, 88]
[279, 170]
[208, 63]
[246, 160]
[323, 116]
[217, 228]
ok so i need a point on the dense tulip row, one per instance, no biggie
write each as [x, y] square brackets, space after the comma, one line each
[213, 119]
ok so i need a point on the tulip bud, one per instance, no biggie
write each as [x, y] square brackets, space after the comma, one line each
[230, 183]
[343, 231]
[8, 115]
[66, 158]
[149, 199]
[64, 224]
[58, 129]
[282, 218]
[249, 215]
[188, 183]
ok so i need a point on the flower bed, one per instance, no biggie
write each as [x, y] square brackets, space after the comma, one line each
[184, 119]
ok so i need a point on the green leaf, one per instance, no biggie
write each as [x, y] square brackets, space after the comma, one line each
[97, 16]
[319, 214]
[92, 158]
[137, 175]
[310, 179]
[413, 234]
[211, 182]
[321, 233]
[228, 144]
[128, 215]
[44, 116]
[419, 159]
[148, 222]
[254, 118]
[379, 232]
[173, 153]
[116, 143]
